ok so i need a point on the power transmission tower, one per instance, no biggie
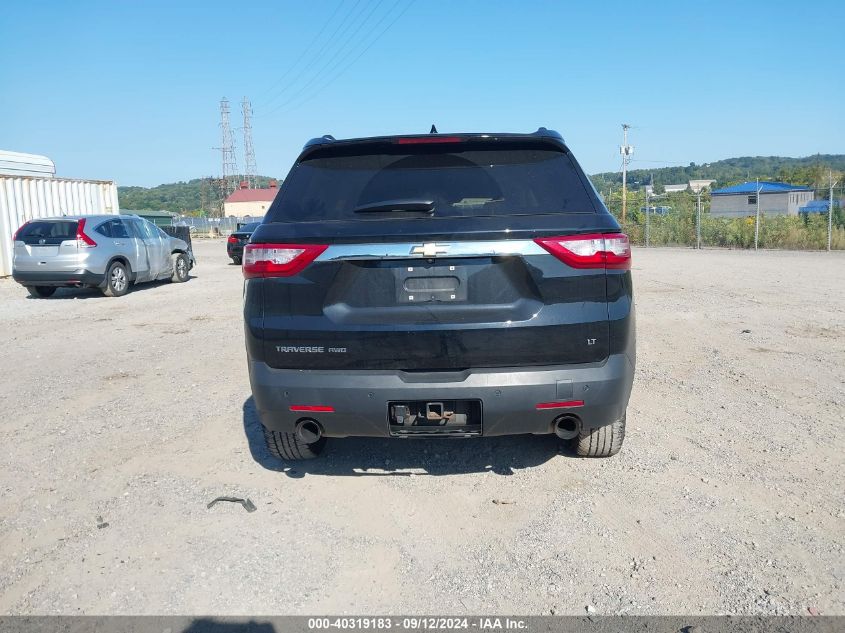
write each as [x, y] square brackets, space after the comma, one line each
[229, 164]
[250, 169]
[625, 150]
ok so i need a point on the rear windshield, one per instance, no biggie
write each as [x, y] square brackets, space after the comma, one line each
[460, 180]
[54, 232]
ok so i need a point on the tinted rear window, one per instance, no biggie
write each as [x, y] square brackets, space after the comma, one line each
[462, 181]
[53, 232]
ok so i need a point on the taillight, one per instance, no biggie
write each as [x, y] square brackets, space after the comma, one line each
[278, 260]
[595, 250]
[232, 239]
[20, 228]
[82, 240]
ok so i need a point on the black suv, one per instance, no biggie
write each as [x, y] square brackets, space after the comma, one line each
[439, 286]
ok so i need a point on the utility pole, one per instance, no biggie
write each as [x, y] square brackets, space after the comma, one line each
[757, 222]
[698, 220]
[830, 210]
[250, 168]
[647, 223]
[625, 150]
[203, 196]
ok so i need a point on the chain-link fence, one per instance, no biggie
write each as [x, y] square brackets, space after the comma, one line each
[685, 219]
[675, 219]
[213, 227]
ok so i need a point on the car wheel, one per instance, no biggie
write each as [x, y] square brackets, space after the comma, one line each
[180, 268]
[117, 280]
[236, 260]
[41, 292]
[289, 447]
[603, 441]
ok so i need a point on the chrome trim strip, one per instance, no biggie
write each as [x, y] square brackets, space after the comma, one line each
[405, 250]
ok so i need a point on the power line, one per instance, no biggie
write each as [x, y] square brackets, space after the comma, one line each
[358, 56]
[304, 52]
[331, 64]
[317, 57]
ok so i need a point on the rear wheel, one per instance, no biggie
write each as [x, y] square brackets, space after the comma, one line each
[180, 268]
[289, 447]
[236, 260]
[41, 292]
[117, 280]
[603, 441]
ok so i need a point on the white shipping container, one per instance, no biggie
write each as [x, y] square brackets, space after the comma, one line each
[24, 199]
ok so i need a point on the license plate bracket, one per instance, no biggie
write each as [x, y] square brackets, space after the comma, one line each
[426, 282]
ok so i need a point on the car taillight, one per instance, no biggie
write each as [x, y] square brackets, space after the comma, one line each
[595, 250]
[232, 239]
[279, 260]
[20, 228]
[82, 240]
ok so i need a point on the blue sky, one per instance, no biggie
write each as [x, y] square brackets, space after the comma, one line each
[130, 91]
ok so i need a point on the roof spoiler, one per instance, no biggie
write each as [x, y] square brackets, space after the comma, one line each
[328, 138]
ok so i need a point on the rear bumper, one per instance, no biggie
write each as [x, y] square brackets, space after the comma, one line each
[79, 277]
[235, 250]
[509, 396]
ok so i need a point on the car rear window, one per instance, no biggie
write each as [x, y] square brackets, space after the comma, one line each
[52, 232]
[466, 180]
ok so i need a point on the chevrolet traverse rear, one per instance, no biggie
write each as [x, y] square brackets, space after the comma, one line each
[439, 286]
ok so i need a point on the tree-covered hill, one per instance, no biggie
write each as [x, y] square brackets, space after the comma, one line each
[810, 170]
[178, 197]
[199, 194]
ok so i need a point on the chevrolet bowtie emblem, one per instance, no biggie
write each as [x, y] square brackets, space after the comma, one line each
[430, 249]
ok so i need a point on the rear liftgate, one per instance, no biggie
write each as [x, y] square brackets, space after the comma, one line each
[452, 418]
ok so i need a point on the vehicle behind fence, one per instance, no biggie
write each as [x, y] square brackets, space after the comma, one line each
[213, 227]
[677, 220]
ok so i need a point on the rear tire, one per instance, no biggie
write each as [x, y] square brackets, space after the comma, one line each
[180, 268]
[117, 280]
[604, 441]
[236, 260]
[288, 447]
[41, 292]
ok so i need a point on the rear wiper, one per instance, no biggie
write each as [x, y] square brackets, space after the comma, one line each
[420, 206]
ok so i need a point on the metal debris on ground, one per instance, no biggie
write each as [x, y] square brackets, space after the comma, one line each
[248, 505]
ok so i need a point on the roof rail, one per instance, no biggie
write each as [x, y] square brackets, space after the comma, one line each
[320, 140]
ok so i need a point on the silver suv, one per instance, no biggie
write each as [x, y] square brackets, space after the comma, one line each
[108, 252]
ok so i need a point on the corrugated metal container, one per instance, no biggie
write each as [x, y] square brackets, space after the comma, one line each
[20, 164]
[23, 199]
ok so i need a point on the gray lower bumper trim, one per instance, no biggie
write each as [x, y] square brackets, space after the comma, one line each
[509, 395]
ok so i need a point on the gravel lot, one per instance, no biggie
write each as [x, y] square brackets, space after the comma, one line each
[728, 497]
